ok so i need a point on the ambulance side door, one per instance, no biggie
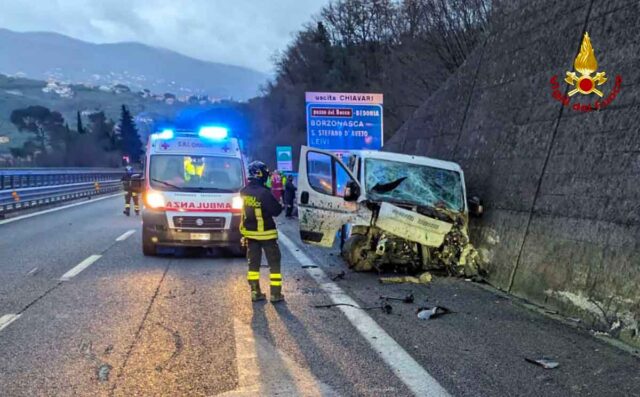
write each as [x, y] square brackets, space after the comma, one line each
[327, 196]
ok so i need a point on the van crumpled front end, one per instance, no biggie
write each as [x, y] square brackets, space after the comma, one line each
[404, 240]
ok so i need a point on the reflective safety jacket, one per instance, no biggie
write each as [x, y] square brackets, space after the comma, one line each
[258, 211]
[132, 182]
[191, 169]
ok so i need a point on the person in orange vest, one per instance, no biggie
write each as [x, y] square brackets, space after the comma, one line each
[276, 185]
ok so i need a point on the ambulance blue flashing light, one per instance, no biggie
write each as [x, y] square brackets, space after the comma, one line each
[165, 134]
[213, 132]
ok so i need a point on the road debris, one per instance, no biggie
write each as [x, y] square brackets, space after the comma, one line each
[385, 307]
[407, 299]
[424, 278]
[426, 313]
[309, 266]
[339, 276]
[103, 372]
[544, 362]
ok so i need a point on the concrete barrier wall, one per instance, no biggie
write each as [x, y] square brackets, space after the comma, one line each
[561, 187]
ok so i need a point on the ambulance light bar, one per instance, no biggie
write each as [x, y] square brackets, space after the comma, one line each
[213, 132]
[165, 134]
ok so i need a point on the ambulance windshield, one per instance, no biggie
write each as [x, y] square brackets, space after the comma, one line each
[195, 173]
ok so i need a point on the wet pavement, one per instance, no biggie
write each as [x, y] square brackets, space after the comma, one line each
[183, 325]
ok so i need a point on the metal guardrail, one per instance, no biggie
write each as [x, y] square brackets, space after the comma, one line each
[22, 188]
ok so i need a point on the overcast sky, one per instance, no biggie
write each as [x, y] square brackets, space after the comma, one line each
[240, 32]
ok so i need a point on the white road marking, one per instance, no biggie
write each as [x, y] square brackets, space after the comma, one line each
[80, 267]
[8, 319]
[33, 271]
[93, 200]
[264, 370]
[125, 235]
[408, 370]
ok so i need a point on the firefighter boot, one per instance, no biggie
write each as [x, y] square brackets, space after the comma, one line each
[276, 294]
[126, 212]
[275, 279]
[256, 294]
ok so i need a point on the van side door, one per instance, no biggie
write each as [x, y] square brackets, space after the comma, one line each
[328, 194]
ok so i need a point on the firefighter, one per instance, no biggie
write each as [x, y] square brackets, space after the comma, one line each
[258, 229]
[131, 185]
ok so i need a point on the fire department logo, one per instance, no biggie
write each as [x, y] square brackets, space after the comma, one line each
[585, 64]
[584, 82]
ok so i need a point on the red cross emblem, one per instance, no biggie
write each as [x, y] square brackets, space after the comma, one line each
[164, 145]
[226, 148]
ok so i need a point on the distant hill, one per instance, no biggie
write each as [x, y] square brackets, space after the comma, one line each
[16, 93]
[43, 56]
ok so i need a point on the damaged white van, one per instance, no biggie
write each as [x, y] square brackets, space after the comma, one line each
[408, 212]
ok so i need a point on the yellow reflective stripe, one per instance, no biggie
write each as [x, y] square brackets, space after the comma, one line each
[276, 283]
[251, 276]
[275, 276]
[259, 219]
[266, 235]
[262, 238]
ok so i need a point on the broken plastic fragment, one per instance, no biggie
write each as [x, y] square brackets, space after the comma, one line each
[103, 372]
[426, 313]
[545, 363]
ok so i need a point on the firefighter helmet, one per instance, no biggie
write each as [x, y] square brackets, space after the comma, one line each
[258, 171]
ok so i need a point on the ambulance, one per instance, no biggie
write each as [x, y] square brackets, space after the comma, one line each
[192, 190]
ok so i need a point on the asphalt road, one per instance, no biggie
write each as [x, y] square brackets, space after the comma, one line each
[124, 324]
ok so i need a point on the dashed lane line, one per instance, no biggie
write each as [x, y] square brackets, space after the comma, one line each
[8, 319]
[125, 235]
[408, 370]
[93, 200]
[80, 267]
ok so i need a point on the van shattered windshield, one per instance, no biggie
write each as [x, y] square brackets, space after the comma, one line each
[393, 181]
[195, 173]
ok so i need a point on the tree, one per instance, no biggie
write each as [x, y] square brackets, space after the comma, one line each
[79, 126]
[103, 131]
[130, 139]
[403, 48]
[47, 127]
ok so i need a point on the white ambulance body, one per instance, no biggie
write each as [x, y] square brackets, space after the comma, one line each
[192, 190]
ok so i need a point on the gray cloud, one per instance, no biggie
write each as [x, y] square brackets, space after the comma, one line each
[241, 32]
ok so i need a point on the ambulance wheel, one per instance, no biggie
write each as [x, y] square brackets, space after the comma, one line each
[148, 248]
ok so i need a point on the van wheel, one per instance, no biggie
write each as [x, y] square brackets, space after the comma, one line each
[356, 253]
[148, 248]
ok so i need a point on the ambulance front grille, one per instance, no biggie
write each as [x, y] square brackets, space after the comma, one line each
[198, 222]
